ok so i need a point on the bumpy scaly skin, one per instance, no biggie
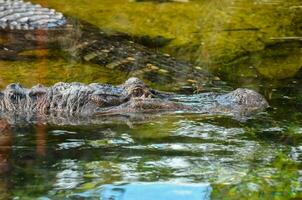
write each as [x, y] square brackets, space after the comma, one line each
[85, 42]
[77, 99]
[20, 15]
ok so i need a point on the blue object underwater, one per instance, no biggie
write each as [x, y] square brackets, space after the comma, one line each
[150, 191]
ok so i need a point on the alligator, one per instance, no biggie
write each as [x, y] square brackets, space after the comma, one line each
[133, 96]
[25, 27]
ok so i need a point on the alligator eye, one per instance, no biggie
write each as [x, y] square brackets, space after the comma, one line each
[140, 92]
[137, 92]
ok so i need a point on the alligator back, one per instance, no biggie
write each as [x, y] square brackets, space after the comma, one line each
[25, 26]
[20, 15]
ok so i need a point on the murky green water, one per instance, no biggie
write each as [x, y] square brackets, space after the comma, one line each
[238, 40]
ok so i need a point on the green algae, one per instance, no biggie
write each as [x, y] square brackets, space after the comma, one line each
[209, 33]
[49, 72]
[257, 184]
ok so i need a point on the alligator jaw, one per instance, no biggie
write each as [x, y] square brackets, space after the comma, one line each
[144, 105]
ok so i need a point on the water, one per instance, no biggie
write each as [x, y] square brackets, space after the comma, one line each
[237, 160]
[257, 159]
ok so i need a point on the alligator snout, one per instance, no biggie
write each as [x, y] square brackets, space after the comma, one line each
[242, 102]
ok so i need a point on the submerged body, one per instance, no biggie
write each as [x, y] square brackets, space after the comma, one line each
[133, 96]
[26, 27]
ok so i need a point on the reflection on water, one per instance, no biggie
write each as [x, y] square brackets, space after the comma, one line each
[234, 158]
[5, 150]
